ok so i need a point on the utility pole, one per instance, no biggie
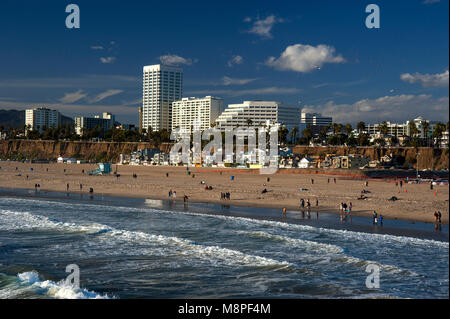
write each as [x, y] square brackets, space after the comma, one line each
[417, 164]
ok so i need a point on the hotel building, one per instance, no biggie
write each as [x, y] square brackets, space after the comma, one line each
[40, 118]
[258, 113]
[84, 124]
[162, 85]
[188, 110]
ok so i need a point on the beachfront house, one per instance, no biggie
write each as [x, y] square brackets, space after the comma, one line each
[306, 162]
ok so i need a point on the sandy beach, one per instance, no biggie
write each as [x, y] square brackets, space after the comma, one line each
[417, 202]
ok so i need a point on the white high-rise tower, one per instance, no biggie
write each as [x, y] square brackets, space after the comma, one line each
[162, 85]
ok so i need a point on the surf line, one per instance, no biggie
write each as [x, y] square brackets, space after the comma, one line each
[187, 309]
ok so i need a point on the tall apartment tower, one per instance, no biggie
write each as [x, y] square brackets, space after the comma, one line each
[162, 85]
[40, 118]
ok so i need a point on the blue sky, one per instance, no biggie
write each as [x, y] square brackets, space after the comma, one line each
[317, 53]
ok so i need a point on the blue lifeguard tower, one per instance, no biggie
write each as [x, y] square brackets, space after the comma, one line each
[103, 168]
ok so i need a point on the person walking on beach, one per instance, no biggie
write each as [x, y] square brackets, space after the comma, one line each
[381, 219]
[67, 186]
[308, 205]
[170, 193]
[81, 187]
[174, 194]
[401, 183]
[284, 211]
[439, 217]
[312, 181]
[436, 216]
[328, 181]
[335, 180]
[302, 203]
[375, 217]
[350, 206]
[317, 202]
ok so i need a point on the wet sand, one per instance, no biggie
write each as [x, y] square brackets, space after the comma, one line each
[416, 201]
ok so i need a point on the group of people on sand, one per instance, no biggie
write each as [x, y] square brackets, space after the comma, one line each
[344, 208]
[376, 219]
[172, 193]
[437, 217]
[307, 203]
[226, 195]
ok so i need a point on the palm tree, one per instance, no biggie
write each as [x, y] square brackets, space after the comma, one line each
[361, 126]
[348, 129]
[307, 134]
[412, 129]
[437, 133]
[294, 133]
[383, 128]
[337, 128]
[425, 130]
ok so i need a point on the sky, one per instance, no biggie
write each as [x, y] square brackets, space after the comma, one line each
[318, 54]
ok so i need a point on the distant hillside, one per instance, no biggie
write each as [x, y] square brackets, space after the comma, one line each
[16, 119]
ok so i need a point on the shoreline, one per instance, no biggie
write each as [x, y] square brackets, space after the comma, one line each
[327, 220]
[283, 191]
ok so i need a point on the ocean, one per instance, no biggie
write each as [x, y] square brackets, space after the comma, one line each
[127, 248]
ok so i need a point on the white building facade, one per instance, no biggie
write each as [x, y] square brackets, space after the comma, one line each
[84, 124]
[162, 85]
[40, 118]
[258, 113]
[204, 111]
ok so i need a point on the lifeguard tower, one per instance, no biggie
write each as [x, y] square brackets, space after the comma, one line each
[103, 168]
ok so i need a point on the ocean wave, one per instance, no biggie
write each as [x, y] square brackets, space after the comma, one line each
[14, 220]
[342, 233]
[213, 254]
[250, 221]
[58, 290]
[295, 242]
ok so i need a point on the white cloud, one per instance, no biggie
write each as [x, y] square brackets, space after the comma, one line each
[237, 59]
[427, 80]
[97, 47]
[263, 27]
[173, 59]
[89, 81]
[304, 58]
[233, 81]
[104, 95]
[107, 60]
[397, 108]
[73, 97]
[252, 92]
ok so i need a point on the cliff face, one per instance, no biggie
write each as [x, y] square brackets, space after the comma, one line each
[428, 157]
[78, 150]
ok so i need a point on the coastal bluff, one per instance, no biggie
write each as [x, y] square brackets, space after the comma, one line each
[430, 158]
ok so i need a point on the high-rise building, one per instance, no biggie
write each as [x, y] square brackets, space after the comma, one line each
[162, 85]
[315, 119]
[83, 124]
[258, 113]
[40, 118]
[189, 110]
